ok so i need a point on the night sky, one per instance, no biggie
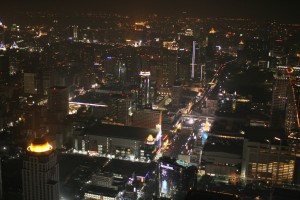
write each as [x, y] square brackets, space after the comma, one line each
[259, 9]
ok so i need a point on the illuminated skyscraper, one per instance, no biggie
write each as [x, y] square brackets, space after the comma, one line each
[40, 173]
[175, 178]
[282, 81]
[75, 33]
[278, 51]
[198, 69]
[144, 98]
[120, 71]
[193, 60]
[292, 107]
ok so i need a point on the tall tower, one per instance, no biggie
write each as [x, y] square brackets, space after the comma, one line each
[197, 71]
[40, 173]
[75, 33]
[193, 60]
[144, 90]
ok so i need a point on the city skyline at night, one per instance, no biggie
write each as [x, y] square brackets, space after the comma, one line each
[149, 100]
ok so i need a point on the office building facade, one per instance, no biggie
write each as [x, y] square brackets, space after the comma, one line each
[119, 141]
[270, 162]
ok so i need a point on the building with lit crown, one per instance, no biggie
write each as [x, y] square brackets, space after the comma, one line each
[40, 173]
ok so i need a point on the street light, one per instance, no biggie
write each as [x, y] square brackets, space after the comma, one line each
[276, 138]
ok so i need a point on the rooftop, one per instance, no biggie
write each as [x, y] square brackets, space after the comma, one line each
[225, 145]
[39, 145]
[127, 168]
[94, 189]
[124, 132]
[200, 194]
[261, 134]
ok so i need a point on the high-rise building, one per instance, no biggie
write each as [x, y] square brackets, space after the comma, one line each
[123, 107]
[120, 71]
[58, 102]
[278, 47]
[175, 178]
[193, 60]
[282, 80]
[40, 173]
[144, 98]
[30, 83]
[75, 33]
[176, 93]
[0, 181]
[197, 69]
[4, 65]
[292, 123]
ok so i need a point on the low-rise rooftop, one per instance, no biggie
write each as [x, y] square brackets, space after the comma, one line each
[115, 131]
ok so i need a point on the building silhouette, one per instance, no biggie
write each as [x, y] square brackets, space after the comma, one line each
[4, 64]
[58, 103]
[0, 181]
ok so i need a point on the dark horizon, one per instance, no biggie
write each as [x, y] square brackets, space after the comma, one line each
[255, 9]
